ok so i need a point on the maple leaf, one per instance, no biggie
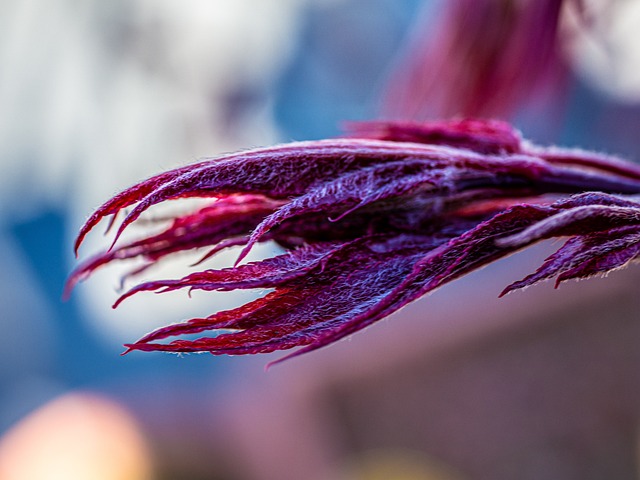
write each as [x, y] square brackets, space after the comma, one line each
[370, 223]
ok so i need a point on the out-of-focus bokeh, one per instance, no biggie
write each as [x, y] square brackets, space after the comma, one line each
[95, 95]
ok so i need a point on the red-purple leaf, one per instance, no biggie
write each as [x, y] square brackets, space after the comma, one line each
[369, 225]
[483, 58]
[482, 136]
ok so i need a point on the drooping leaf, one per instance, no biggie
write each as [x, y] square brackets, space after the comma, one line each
[371, 224]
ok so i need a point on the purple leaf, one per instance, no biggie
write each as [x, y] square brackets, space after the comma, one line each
[482, 136]
[483, 58]
[370, 225]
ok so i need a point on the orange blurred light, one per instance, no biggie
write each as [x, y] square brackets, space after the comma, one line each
[76, 436]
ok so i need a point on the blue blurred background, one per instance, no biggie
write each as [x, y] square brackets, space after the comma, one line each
[96, 95]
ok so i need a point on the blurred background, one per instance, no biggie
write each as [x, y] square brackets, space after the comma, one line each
[97, 95]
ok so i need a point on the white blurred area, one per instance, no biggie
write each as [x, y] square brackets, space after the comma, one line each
[97, 95]
[606, 53]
